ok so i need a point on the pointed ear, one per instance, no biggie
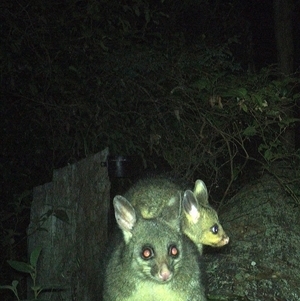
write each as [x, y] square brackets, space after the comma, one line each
[125, 215]
[200, 192]
[190, 206]
[172, 211]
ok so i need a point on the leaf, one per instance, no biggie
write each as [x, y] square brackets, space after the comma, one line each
[21, 266]
[103, 46]
[62, 215]
[72, 68]
[201, 84]
[250, 131]
[241, 92]
[36, 288]
[34, 256]
[288, 121]
[136, 10]
[268, 155]
[12, 287]
[244, 107]
[238, 92]
[296, 96]
[42, 229]
[2, 287]
[147, 15]
[15, 283]
[35, 299]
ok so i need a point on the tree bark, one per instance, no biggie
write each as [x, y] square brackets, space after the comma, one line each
[283, 10]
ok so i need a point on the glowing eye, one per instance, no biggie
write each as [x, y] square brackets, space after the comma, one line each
[214, 229]
[147, 253]
[173, 251]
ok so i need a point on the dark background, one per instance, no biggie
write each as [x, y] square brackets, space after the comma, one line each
[75, 73]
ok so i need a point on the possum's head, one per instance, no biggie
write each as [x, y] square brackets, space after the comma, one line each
[200, 221]
[153, 246]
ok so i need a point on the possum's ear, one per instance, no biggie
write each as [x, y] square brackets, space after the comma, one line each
[171, 213]
[125, 216]
[200, 192]
[190, 206]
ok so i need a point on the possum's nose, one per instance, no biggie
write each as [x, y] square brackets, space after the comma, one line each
[164, 273]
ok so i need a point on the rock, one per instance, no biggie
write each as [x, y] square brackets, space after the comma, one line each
[262, 260]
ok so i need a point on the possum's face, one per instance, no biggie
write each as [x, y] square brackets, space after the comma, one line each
[157, 251]
[211, 231]
[201, 223]
[153, 248]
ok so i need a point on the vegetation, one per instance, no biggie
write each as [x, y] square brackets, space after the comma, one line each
[159, 80]
[24, 267]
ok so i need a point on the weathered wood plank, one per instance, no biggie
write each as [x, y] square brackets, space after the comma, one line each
[74, 233]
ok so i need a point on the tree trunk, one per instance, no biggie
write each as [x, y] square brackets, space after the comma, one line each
[283, 10]
[284, 35]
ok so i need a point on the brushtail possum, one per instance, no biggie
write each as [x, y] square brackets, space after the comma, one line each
[160, 197]
[201, 222]
[153, 262]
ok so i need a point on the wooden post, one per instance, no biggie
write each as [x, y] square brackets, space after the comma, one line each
[69, 221]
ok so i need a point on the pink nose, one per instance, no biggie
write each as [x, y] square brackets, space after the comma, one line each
[164, 273]
[226, 240]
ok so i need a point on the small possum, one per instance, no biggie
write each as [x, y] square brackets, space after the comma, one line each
[160, 197]
[153, 262]
[201, 222]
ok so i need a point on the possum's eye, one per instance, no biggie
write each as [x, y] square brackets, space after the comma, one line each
[147, 252]
[173, 251]
[214, 229]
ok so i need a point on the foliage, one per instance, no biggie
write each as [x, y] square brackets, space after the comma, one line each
[29, 268]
